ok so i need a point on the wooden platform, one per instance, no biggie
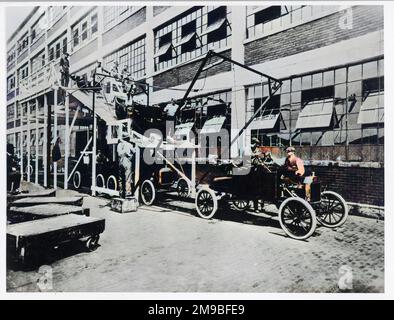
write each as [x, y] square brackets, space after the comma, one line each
[42, 193]
[22, 214]
[33, 201]
[27, 237]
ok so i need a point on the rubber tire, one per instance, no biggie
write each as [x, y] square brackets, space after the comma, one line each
[92, 242]
[77, 174]
[112, 177]
[150, 184]
[311, 211]
[345, 215]
[214, 200]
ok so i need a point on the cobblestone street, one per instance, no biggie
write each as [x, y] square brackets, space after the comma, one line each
[162, 250]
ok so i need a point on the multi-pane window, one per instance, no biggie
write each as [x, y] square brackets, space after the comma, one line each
[332, 107]
[132, 56]
[37, 30]
[10, 112]
[116, 14]
[85, 29]
[10, 56]
[23, 44]
[10, 83]
[38, 62]
[263, 20]
[57, 48]
[23, 72]
[191, 35]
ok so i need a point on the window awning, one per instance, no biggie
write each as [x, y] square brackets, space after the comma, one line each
[183, 129]
[186, 39]
[267, 122]
[316, 115]
[164, 49]
[213, 125]
[372, 110]
[214, 26]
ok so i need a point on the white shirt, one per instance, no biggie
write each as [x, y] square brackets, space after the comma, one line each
[125, 149]
[171, 109]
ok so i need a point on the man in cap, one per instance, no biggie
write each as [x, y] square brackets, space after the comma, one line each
[65, 70]
[294, 166]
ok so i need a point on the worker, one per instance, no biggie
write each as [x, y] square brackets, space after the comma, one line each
[13, 175]
[295, 171]
[170, 111]
[126, 154]
[294, 166]
[65, 70]
[115, 70]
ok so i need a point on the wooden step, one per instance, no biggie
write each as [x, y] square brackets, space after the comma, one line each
[27, 202]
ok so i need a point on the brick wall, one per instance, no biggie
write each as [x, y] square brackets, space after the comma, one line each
[355, 184]
[313, 35]
[159, 9]
[125, 26]
[185, 73]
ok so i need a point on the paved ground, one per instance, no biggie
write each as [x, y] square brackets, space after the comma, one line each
[161, 250]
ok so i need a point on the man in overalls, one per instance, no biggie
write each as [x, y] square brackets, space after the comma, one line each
[126, 154]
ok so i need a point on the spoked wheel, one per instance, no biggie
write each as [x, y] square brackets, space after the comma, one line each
[148, 192]
[241, 205]
[183, 188]
[206, 203]
[297, 218]
[77, 179]
[112, 184]
[92, 242]
[333, 210]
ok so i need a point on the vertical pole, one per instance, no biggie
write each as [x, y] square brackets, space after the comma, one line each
[28, 142]
[94, 151]
[36, 163]
[46, 148]
[55, 137]
[137, 170]
[67, 141]
[193, 175]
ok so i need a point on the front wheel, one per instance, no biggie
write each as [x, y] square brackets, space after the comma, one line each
[333, 210]
[297, 218]
[148, 192]
[77, 179]
[206, 203]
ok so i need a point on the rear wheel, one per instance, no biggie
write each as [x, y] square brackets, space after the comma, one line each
[333, 210]
[182, 188]
[77, 180]
[297, 218]
[148, 192]
[92, 242]
[112, 184]
[206, 203]
[241, 205]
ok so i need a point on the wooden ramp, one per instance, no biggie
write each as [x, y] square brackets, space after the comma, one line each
[22, 214]
[24, 239]
[33, 201]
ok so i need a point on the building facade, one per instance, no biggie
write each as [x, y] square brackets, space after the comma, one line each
[330, 59]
